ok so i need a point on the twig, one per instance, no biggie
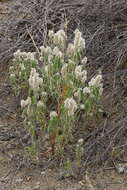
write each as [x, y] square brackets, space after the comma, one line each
[32, 40]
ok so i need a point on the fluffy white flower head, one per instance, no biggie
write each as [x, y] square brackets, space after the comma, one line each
[48, 50]
[84, 76]
[51, 34]
[11, 68]
[71, 106]
[46, 69]
[81, 75]
[53, 114]
[45, 51]
[40, 104]
[79, 42]
[70, 50]
[44, 94]
[80, 141]
[42, 48]
[12, 75]
[17, 53]
[22, 67]
[82, 107]
[26, 102]
[84, 60]
[96, 81]
[60, 38]
[57, 52]
[78, 71]
[23, 103]
[25, 56]
[64, 70]
[86, 90]
[34, 80]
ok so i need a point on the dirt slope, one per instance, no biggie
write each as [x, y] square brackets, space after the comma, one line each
[15, 173]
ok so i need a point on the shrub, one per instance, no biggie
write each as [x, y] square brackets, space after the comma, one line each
[57, 91]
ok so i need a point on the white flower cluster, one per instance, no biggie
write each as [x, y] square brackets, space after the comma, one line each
[12, 76]
[70, 50]
[77, 46]
[51, 34]
[44, 94]
[97, 82]
[22, 67]
[79, 42]
[53, 114]
[80, 141]
[64, 70]
[71, 106]
[46, 69]
[34, 80]
[59, 38]
[40, 104]
[84, 60]
[48, 53]
[80, 74]
[45, 50]
[57, 52]
[26, 102]
[86, 90]
[25, 56]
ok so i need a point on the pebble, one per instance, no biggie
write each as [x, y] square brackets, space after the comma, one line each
[19, 180]
[37, 186]
[43, 173]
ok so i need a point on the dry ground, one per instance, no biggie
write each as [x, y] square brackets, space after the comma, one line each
[16, 172]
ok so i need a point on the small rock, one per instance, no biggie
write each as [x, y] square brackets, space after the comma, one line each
[19, 180]
[81, 183]
[37, 186]
[27, 188]
[43, 173]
